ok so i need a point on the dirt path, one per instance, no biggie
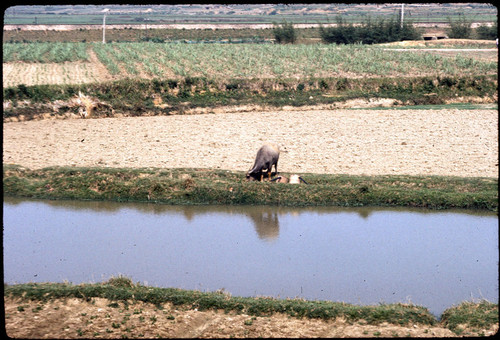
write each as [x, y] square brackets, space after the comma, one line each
[369, 142]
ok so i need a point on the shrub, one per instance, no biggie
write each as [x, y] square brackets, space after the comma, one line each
[284, 34]
[369, 32]
[232, 87]
[342, 34]
[459, 29]
[323, 84]
[153, 39]
[486, 32]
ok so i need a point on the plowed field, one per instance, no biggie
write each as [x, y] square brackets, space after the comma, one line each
[358, 142]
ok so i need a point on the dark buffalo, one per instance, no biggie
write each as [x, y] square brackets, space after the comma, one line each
[267, 156]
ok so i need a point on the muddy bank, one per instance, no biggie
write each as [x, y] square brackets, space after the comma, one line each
[100, 318]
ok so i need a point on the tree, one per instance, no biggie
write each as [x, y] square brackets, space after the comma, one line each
[486, 32]
[460, 29]
[284, 33]
[342, 34]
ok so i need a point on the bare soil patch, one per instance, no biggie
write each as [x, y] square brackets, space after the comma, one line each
[98, 318]
[359, 142]
[78, 72]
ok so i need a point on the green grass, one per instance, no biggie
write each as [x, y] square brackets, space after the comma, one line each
[473, 315]
[125, 291]
[456, 106]
[46, 52]
[482, 315]
[207, 186]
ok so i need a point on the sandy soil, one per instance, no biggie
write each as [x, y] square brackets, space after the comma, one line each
[360, 142]
[75, 318]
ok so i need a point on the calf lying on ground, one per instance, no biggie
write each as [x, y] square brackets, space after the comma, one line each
[294, 179]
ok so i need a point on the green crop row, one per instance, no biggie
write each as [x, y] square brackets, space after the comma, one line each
[215, 61]
[283, 61]
[45, 52]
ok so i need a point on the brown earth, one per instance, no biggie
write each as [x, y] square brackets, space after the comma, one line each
[336, 141]
[213, 26]
[76, 318]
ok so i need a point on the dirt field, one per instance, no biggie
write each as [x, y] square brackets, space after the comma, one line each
[359, 142]
[75, 318]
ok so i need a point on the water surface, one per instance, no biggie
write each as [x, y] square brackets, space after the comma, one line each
[357, 255]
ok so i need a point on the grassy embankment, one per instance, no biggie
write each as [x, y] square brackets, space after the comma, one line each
[136, 98]
[210, 186]
[481, 315]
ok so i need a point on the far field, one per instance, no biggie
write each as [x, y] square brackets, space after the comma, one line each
[242, 13]
[76, 63]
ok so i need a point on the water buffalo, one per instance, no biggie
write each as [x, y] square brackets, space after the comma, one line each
[267, 156]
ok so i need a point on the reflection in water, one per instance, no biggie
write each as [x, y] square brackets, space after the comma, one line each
[356, 255]
[266, 222]
[265, 218]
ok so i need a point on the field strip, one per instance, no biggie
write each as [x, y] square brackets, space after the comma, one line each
[52, 73]
[78, 72]
[362, 142]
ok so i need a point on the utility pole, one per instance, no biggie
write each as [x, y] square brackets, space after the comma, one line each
[402, 14]
[106, 10]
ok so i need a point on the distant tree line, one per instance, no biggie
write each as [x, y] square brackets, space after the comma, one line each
[382, 30]
[369, 32]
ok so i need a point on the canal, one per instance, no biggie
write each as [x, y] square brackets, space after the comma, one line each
[356, 255]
